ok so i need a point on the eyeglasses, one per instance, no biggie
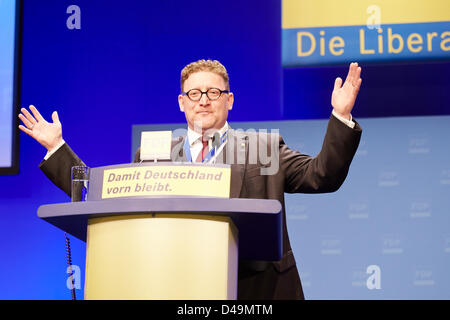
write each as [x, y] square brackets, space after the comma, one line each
[211, 93]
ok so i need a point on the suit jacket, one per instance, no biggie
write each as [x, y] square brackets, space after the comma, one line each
[252, 156]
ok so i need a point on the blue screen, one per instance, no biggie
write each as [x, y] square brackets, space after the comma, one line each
[7, 115]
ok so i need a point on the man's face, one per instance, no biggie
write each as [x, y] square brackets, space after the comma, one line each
[205, 114]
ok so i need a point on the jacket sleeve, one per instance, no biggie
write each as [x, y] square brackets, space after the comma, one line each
[58, 167]
[327, 171]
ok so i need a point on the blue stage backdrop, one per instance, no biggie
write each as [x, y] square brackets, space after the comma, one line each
[106, 67]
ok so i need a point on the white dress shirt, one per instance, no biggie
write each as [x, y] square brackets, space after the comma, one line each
[195, 140]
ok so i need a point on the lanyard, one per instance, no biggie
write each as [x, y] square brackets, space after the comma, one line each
[211, 153]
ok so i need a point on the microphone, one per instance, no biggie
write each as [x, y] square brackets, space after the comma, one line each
[215, 142]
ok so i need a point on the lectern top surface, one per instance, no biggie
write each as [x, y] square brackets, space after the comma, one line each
[259, 221]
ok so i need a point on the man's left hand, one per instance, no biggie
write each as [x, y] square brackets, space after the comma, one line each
[344, 96]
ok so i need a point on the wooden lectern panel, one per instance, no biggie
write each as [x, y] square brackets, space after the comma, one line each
[161, 256]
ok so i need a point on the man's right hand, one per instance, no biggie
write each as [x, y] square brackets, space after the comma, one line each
[47, 134]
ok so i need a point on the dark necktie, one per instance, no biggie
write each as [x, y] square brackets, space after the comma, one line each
[204, 151]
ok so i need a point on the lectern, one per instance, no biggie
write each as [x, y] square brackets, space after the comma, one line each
[166, 246]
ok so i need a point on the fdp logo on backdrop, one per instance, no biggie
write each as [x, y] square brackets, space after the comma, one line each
[332, 32]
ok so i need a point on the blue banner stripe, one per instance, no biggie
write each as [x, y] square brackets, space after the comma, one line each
[392, 42]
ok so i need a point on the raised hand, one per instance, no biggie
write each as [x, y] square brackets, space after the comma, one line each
[46, 133]
[344, 96]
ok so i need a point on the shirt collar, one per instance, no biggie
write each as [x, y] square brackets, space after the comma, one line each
[193, 136]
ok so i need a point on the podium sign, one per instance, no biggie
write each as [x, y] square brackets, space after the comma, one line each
[160, 179]
[166, 180]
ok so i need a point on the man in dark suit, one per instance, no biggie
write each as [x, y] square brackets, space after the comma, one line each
[262, 166]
